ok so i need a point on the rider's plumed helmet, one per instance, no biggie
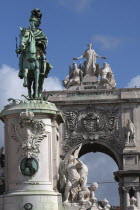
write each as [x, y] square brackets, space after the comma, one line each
[36, 16]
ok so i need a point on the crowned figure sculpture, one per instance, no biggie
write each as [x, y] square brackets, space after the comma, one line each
[33, 65]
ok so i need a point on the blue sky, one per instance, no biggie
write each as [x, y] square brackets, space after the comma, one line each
[112, 26]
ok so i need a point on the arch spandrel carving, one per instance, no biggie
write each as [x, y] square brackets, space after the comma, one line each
[93, 125]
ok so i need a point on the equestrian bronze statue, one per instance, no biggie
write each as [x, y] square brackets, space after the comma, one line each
[33, 65]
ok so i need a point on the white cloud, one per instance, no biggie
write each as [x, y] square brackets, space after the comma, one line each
[12, 87]
[134, 82]
[78, 5]
[107, 42]
[52, 83]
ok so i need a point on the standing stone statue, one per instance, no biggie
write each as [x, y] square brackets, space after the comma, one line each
[76, 173]
[130, 131]
[90, 64]
[33, 65]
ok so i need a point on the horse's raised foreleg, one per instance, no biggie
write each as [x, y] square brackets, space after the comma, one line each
[25, 73]
[36, 82]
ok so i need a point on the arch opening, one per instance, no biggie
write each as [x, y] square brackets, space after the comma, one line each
[104, 156]
[100, 170]
[100, 147]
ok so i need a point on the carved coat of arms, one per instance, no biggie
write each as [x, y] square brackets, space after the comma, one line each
[29, 133]
[91, 122]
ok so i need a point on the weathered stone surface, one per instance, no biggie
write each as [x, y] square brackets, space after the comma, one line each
[32, 155]
[89, 66]
[99, 120]
[74, 78]
[89, 75]
[92, 124]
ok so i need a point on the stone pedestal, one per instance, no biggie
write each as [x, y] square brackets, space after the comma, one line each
[32, 156]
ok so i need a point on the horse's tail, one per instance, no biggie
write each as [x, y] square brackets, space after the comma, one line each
[48, 68]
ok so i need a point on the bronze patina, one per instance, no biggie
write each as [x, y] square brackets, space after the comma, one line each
[33, 65]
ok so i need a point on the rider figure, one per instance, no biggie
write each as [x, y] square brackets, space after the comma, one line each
[41, 43]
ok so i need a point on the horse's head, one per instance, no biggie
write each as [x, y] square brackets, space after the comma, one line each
[25, 38]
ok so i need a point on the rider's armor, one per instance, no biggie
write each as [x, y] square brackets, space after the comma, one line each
[41, 44]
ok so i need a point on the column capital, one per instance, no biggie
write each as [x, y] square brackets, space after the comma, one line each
[136, 188]
[126, 188]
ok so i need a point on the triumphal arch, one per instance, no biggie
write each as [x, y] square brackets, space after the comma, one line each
[103, 119]
[47, 132]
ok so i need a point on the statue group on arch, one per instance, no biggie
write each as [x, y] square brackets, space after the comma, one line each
[73, 174]
[89, 69]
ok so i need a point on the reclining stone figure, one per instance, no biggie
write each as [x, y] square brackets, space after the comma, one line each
[74, 78]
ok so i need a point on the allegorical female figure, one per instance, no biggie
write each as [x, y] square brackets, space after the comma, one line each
[90, 64]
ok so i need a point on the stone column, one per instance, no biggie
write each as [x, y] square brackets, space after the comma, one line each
[121, 193]
[137, 196]
[126, 198]
[31, 130]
